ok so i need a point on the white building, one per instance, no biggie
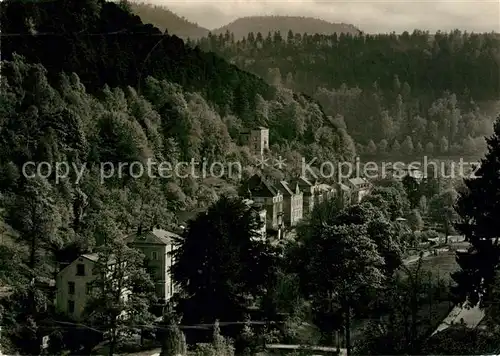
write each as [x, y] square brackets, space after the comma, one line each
[157, 245]
[74, 284]
[360, 187]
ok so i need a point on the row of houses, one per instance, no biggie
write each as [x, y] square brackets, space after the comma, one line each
[283, 205]
[278, 207]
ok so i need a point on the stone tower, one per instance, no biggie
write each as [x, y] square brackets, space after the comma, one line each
[259, 141]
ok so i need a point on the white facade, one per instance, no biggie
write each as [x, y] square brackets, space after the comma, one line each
[360, 187]
[73, 286]
[157, 246]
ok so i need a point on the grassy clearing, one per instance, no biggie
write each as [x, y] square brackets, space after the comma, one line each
[444, 264]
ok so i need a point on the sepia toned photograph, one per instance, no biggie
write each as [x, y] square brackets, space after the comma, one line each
[249, 177]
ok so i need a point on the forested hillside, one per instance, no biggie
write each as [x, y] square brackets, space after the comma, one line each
[87, 86]
[241, 27]
[388, 89]
[105, 45]
[162, 18]
[115, 135]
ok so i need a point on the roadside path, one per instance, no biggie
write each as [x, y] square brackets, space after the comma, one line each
[471, 318]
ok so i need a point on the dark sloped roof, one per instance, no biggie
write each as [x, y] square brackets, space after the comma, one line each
[302, 182]
[259, 187]
[184, 216]
[286, 189]
[154, 237]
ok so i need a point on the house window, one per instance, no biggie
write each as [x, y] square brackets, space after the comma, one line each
[71, 306]
[88, 288]
[80, 269]
[71, 288]
[154, 255]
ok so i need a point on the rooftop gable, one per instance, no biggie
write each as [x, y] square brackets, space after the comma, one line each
[259, 187]
[92, 257]
[154, 237]
[286, 189]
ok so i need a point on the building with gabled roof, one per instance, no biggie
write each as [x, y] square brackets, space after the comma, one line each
[263, 192]
[325, 192]
[343, 193]
[157, 245]
[360, 187]
[292, 203]
[308, 189]
[73, 284]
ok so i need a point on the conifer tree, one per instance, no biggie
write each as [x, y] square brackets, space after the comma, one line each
[174, 340]
[479, 209]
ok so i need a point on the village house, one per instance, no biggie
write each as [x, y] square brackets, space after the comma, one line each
[343, 193]
[308, 189]
[257, 139]
[325, 192]
[74, 285]
[157, 246]
[292, 203]
[270, 198]
[360, 187]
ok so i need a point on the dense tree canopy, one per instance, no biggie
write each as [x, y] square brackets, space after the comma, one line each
[220, 262]
[400, 88]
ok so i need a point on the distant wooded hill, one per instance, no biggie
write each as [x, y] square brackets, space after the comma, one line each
[162, 18]
[403, 93]
[265, 24]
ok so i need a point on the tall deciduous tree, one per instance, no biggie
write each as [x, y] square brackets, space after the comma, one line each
[442, 210]
[415, 220]
[35, 215]
[339, 262]
[412, 190]
[122, 291]
[220, 262]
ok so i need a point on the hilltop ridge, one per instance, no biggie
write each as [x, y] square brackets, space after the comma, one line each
[297, 24]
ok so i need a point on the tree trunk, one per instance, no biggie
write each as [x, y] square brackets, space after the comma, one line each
[112, 342]
[337, 341]
[413, 333]
[348, 330]
[406, 329]
[446, 231]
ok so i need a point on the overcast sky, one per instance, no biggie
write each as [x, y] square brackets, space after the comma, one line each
[369, 16]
